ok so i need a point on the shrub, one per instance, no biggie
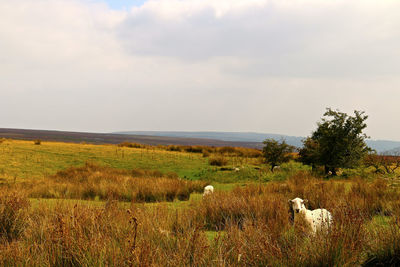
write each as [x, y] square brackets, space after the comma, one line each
[37, 142]
[131, 145]
[226, 150]
[217, 161]
[193, 149]
[206, 154]
[174, 148]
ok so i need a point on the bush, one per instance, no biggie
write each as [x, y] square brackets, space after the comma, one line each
[226, 150]
[206, 154]
[217, 161]
[131, 145]
[193, 149]
[174, 148]
[37, 142]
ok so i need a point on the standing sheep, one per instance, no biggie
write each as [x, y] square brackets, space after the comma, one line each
[209, 189]
[319, 219]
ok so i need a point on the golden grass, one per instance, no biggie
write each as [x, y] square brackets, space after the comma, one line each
[94, 182]
[255, 219]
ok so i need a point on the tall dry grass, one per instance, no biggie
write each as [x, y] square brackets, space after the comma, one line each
[13, 213]
[253, 223]
[77, 235]
[94, 182]
[269, 202]
[260, 232]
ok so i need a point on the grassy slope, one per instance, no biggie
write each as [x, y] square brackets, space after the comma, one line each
[23, 159]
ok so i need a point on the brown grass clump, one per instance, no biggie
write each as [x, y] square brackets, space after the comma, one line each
[37, 142]
[217, 161]
[132, 145]
[13, 214]
[206, 154]
[223, 209]
[384, 247]
[96, 182]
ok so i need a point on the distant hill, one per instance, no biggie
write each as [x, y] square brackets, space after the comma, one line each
[252, 140]
[225, 136]
[110, 138]
[378, 145]
[383, 145]
[394, 151]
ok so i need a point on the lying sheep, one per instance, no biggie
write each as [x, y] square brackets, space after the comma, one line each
[209, 189]
[319, 219]
[276, 168]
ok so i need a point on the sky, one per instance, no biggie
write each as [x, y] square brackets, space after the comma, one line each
[122, 4]
[269, 66]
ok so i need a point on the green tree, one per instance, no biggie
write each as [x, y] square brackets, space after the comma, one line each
[276, 153]
[309, 153]
[338, 142]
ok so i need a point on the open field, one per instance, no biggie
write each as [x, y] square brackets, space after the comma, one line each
[64, 204]
[24, 160]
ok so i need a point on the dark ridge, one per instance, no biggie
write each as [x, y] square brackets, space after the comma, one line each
[105, 138]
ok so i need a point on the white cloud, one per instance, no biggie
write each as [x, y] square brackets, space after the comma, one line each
[245, 65]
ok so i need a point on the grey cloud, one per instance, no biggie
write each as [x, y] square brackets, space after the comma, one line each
[346, 39]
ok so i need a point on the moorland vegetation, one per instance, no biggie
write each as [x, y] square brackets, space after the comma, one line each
[137, 205]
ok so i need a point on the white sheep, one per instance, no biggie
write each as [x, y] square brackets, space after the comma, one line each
[319, 219]
[276, 168]
[209, 189]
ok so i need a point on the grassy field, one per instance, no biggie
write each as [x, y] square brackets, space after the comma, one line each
[104, 205]
[24, 160]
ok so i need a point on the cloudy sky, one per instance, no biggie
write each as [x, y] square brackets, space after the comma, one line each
[229, 65]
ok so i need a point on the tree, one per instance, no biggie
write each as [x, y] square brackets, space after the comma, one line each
[276, 153]
[309, 153]
[384, 163]
[338, 142]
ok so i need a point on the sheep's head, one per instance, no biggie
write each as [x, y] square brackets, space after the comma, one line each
[297, 204]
